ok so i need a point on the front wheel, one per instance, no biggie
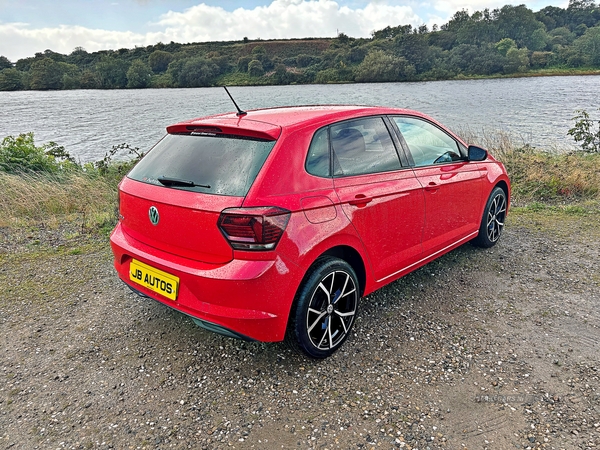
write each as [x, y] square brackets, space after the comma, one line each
[325, 308]
[492, 222]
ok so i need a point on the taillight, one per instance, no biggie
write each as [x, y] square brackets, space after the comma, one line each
[253, 228]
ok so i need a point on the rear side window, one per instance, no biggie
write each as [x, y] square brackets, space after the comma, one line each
[359, 146]
[363, 146]
[211, 164]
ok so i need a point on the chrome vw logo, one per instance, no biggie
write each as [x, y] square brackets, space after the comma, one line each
[153, 214]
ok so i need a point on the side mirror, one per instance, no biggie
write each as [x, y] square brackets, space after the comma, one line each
[477, 153]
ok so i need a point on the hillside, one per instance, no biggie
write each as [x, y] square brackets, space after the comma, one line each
[508, 41]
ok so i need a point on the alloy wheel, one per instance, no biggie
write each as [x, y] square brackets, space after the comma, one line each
[495, 218]
[331, 310]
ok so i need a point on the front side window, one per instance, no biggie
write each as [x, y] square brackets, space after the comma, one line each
[362, 146]
[426, 142]
[211, 164]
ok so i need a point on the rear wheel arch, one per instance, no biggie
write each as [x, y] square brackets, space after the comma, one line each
[352, 257]
[345, 253]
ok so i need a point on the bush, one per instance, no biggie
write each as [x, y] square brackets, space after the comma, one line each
[381, 66]
[255, 68]
[327, 76]
[583, 131]
[20, 154]
[45, 184]
[303, 60]
[113, 170]
[243, 63]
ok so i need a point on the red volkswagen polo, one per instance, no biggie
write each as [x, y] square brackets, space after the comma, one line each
[272, 224]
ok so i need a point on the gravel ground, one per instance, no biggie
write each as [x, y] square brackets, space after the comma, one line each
[481, 349]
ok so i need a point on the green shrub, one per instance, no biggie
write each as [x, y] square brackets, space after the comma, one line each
[584, 131]
[20, 154]
[113, 170]
[44, 184]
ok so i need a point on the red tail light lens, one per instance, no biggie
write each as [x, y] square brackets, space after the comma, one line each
[253, 228]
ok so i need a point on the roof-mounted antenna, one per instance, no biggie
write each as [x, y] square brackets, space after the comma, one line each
[240, 112]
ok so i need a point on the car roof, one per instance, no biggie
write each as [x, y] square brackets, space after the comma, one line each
[270, 120]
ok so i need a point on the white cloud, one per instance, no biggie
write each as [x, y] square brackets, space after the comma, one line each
[283, 19]
[25, 42]
[279, 19]
[451, 6]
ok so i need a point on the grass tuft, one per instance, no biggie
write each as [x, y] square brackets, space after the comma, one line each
[542, 176]
[46, 198]
[551, 177]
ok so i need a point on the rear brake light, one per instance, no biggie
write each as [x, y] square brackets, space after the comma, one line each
[210, 130]
[253, 228]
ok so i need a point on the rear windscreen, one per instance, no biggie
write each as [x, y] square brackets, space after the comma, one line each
[211, 164]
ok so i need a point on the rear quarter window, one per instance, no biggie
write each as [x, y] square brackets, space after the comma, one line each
[317, 161]
[215, 164]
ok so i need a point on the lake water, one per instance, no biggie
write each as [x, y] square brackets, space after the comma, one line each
[537, 111]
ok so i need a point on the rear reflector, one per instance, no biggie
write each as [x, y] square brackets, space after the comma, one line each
[253, 228]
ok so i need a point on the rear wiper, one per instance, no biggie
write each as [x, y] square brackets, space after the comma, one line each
[176, 182]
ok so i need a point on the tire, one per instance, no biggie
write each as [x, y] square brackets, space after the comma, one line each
[324, 308]
[492, 222]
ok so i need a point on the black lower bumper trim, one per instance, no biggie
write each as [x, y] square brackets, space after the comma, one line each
[212, 327]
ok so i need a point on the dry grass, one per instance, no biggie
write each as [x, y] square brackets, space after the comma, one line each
[46, 199]
[542, 176]
[497, 142]
[549, 177]
[538, 177]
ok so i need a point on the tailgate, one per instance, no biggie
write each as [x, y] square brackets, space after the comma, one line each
[176, 221]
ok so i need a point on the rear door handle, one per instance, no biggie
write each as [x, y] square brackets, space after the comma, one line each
[431, 187]
[360, 200]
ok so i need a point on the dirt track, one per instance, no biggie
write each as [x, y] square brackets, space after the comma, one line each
[490, 349]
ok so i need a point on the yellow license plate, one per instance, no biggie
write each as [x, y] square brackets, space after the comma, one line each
[154, 279]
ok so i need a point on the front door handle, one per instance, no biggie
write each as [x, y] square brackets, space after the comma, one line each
[360, 200]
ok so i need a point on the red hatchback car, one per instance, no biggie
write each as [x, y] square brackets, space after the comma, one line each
[272, 224]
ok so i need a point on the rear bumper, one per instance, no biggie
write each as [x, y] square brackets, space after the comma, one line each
[249, 299]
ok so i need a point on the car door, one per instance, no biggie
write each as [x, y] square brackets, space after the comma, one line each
[452, 185]
[383, 200]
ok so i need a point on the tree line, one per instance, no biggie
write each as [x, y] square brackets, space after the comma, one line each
[505, 41]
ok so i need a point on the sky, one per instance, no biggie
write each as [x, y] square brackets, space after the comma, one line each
[31, 26]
